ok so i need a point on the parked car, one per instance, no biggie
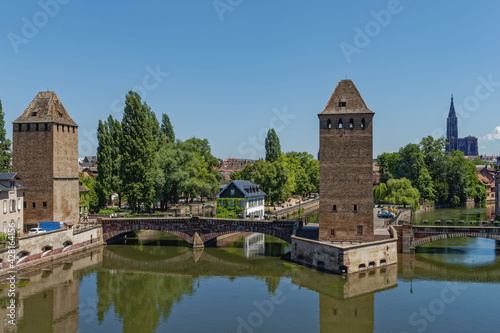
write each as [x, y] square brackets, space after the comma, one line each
[34, 231]
[385, 215]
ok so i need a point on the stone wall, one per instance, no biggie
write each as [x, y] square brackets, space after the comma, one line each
[342, 259]
[36, 249]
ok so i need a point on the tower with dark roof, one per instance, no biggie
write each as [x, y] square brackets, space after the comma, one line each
[452, 128]
[346, 175]
[45, 155]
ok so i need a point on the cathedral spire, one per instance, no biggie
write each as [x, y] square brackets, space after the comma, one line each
[452, 113]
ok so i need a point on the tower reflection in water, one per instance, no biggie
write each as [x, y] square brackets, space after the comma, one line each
[131, 288]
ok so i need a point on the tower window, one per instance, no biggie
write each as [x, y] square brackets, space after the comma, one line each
[33, 204]
[57, 127]
[73, 129]
[360, 229]
[340, 123]
[27, 127]
[19, 127]
[355, 208]
[334, 208]
[363, 123]
[45, 127]
[44, 204]
[332, 232]
[24, 204]
[62, 127]
[351, 124]
[329, 124]
[37, 127]
[342, 104]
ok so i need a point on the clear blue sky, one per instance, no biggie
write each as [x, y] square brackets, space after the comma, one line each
[237, 67]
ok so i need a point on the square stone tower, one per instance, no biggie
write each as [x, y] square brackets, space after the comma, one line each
[45, 155]
[346, 167]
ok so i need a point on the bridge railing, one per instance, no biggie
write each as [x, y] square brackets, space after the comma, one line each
[455, 223]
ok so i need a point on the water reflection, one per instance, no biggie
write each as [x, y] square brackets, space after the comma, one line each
[151, 288]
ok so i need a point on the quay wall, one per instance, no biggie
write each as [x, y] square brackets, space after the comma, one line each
[345, 258]
[33, 250]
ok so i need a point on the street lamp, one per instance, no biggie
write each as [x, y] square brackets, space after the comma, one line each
[497, 192]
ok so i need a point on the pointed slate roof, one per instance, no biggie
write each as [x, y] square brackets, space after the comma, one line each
[45, 108]
[346, 99]
[452, 113]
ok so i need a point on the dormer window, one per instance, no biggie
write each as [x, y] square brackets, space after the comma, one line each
[34, 113]
[342, 104]
[60, 115]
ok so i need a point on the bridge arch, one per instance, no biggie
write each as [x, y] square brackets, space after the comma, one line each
[206, 228]
[434, 238]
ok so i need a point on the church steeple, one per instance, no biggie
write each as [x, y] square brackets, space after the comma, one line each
[452, 113]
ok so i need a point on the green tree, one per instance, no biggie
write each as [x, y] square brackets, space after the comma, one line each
[272, 145]
[388, 166]
[5, 155]
[412, 166]
[137, 150]
[167, 128]
[397, 191]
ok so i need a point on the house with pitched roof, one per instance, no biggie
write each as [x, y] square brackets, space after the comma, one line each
[11, 196]
[241, 199]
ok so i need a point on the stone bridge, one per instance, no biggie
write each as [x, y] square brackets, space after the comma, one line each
[409, 237]
[195, 230]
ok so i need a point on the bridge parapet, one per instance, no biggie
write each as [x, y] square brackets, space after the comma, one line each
[419, 235]
[206, 228]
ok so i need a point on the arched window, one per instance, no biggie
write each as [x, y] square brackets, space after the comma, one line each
[363, 123]
[329, 124]
[340, 123]
[351, 124]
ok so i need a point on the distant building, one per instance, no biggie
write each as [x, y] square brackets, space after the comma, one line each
[467, 145]
[226, 168]
[487, 176]
[11, 195]
[45, 155]
[241, 198]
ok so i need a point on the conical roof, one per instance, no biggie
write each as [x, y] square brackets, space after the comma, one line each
[345, 100]
[46, 108]
[452, 113]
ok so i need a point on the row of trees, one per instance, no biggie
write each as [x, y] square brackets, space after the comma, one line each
[5, 154]
[437, 175]
[140, 160]
[282, 175]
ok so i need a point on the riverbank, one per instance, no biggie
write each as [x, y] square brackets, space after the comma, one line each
[33, 250]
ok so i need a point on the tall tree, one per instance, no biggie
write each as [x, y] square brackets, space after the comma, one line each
[104, 158]
[5, 155]
[167, 128]
[272, 144]
[137, 149]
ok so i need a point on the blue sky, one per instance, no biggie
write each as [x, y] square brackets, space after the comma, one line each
[227, 70]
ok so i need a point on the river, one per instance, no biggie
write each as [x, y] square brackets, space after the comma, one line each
[163, 286]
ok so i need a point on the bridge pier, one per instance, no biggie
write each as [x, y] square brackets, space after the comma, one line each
[408, 239]
[195, 242]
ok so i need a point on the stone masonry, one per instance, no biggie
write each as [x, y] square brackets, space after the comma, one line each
[45, 155]
[346, 190]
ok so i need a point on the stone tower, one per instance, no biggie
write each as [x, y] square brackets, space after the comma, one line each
[452, 128]
[346, 167]
[45, 154]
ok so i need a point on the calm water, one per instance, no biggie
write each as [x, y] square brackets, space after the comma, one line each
[479, 213]
[452, 286]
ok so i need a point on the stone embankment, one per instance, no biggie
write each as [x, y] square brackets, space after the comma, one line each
[36, 249]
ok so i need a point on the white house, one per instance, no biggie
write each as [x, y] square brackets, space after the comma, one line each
[253, 197]
[11, 196]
